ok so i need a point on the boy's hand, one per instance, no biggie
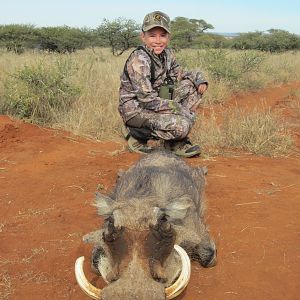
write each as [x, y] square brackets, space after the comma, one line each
[202, 88]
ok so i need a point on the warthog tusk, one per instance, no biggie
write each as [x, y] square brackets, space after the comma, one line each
[182, 281]
[88, 288]
[171, 292]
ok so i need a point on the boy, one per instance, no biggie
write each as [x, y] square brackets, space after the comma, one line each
[157, 99]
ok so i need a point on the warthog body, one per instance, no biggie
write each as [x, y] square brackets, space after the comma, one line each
[157, 203]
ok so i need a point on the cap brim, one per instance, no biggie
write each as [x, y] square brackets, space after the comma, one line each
[146, 28]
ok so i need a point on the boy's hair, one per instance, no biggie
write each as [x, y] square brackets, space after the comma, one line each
[156, 19]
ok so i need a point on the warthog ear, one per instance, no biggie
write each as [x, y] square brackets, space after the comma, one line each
[104, 204]
[200, 172]
[177, 208]
[204, 170]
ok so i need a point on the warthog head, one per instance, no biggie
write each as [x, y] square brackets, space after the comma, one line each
[156, 205]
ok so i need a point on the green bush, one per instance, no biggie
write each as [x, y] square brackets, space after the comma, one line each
[62, 39]
[15, 38]
[40, 92]
[223, 65]
[274, 40]
[209, 40]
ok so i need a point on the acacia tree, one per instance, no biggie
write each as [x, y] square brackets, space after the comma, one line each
[185, 31]
[62, 39]
[119, 34]
[16, 37]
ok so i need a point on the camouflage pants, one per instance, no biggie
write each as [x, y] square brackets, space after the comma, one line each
[169, 126]
[186, 94]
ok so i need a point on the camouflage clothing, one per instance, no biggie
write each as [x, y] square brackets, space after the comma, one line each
[168, 119]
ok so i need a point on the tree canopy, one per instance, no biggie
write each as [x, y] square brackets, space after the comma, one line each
[17, 37]
[121, 34]
[274, 40]
[185, 31]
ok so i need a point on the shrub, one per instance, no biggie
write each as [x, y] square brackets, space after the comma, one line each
[62, 39]
[40, 92]
[223, 65]
[274, 40]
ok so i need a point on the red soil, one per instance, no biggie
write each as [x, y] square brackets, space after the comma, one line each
[47, 184]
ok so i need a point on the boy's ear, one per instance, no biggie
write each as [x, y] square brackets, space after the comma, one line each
[142, 36]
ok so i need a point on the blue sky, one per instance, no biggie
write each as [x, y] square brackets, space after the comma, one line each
[225, 16]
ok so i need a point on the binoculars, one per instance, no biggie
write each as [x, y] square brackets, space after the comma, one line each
[166, 90]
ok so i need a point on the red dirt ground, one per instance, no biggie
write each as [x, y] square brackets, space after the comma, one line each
[47, 184]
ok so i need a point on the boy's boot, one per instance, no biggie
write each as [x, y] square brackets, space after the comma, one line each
[183, 148]
[134, 144]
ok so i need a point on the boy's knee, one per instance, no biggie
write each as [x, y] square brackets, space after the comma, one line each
[182, 129]
[184, 89]
[185, 84]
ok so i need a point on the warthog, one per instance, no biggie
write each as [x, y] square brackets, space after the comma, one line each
[156, 205]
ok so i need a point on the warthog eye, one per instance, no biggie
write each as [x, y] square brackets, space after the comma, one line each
[111, 233]
[164, 224]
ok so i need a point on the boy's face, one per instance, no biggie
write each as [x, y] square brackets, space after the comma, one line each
[156, 38]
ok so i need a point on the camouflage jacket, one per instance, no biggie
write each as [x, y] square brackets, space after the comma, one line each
[136, 90]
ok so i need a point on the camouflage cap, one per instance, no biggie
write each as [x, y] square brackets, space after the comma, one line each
[156, 19]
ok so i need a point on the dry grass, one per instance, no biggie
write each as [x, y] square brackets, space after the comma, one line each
[6, 286]
[217, 93]
[232, 71]
[259, 131]
[95, 113]
[2, 225]
[208, 134]
[34, 252]
[30, 212]
[281, 68]
[294, 97]
[34, 277]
